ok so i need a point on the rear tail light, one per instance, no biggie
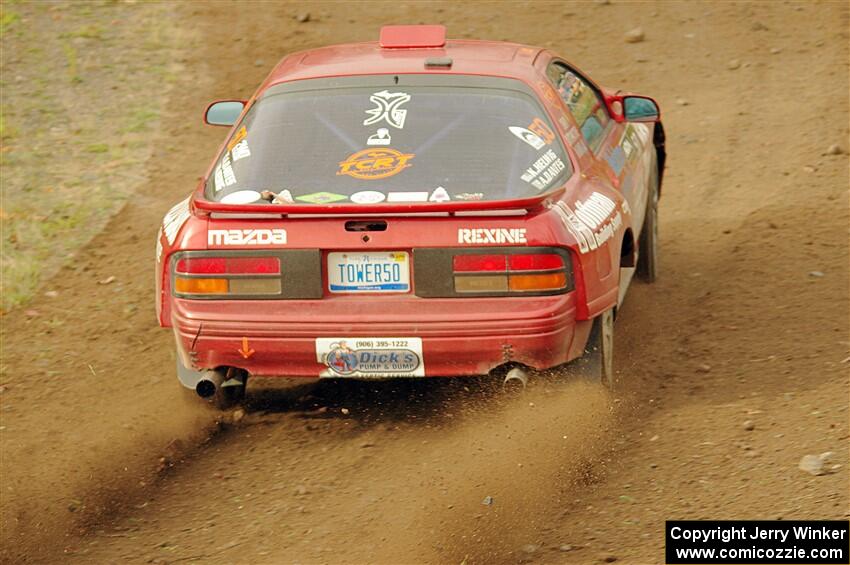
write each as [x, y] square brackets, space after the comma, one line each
[510, 273]
[224, 276]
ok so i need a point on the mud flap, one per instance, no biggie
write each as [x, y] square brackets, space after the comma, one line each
[188, 377]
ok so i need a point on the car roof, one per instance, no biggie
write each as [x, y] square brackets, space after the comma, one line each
[472, 57]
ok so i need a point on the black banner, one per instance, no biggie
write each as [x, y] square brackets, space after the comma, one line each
[815, 542]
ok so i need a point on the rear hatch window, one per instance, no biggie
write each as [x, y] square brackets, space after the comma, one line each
[391, 139]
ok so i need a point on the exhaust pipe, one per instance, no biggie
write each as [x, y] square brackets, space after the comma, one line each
[516, 380]
[209, 383]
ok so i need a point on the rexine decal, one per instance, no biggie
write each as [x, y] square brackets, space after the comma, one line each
[247, 237]
[174, 220]
[491, 235]
[387, 108]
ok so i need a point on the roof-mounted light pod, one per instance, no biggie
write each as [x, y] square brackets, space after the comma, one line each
[412, 37]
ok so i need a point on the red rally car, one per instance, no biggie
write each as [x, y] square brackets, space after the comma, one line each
[413, 207]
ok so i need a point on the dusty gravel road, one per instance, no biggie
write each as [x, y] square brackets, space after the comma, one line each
[735, 364]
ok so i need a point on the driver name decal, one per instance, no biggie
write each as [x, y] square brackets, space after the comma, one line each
[544, 170]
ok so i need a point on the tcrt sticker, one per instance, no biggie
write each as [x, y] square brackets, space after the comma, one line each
[370, 357]
[372, 164]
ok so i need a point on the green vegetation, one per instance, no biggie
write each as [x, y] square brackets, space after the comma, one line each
[83, 90]
[7, 19]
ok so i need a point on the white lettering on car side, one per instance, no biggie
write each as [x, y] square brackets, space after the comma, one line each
[593, 222]
[247, 237]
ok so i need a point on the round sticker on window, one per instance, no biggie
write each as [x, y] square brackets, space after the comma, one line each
[241, 197]
[368, 197]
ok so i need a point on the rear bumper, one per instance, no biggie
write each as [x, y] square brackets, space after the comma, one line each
[459, 336]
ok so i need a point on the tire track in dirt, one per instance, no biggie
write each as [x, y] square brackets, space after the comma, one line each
[411, 477]
[376, 485]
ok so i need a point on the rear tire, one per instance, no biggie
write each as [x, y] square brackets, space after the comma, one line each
[597, 363]
[647, 265]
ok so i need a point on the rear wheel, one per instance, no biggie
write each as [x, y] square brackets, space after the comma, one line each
[647, 265]
[597, 362]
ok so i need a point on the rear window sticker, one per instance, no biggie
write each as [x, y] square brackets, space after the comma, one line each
[239, 136]
[539, 127]
[527, 136]
[371, 164]
[219, 179]
[283, 197]
[407, 197]
[439, 195]
[240, 150]
[564, 122]
[241, 197]
[572, 136]
[224, 176]
[544, 170]
[381, 137]
[470, 196]
[321, 197]
[387, 108]
[368, 197]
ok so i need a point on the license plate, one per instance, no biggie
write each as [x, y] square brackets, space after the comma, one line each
[385, 271]
[370, 357]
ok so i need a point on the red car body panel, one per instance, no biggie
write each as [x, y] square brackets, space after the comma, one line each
[460, 336]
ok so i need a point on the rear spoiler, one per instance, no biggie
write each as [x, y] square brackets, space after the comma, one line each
[207, 206]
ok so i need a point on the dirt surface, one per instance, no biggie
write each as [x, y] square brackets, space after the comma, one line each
[734, 365]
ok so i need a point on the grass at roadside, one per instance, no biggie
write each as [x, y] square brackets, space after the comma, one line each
[83, 86]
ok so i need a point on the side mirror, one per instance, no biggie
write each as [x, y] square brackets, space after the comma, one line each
[640, 109]
[224, 112]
